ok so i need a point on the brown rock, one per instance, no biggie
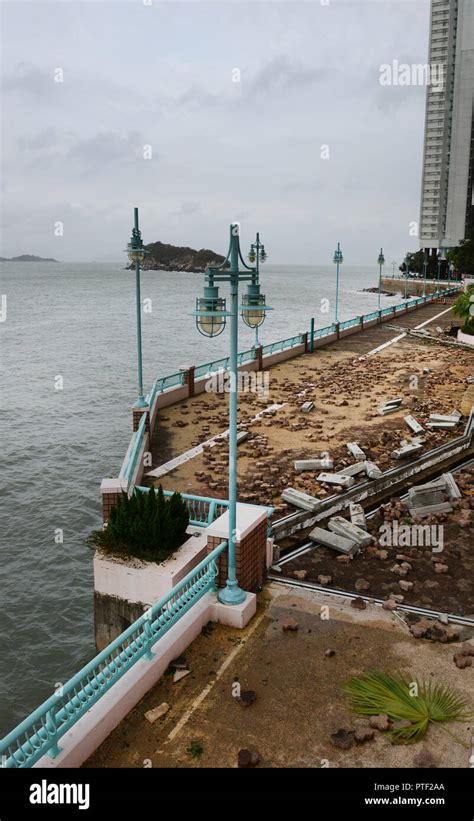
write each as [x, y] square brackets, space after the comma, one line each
[157, 712]
[361, 584]
[389, 604]
[441, 568]
[329, 653]
[247, 759]
[462, 661]
[358, 603]
[324, 580]
[300, 574]
[363, 732]
[344, 559]
[247, 697]
[380, 722]
[342, 739]
[424, 760]
[404, 585]
[467, 649]
[290, 625]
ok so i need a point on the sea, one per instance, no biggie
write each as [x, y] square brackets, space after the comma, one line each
[69, 378]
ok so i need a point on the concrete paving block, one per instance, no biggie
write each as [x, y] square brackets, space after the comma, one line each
[336, 479]
[353, 470]
[406, 451]
[439, 417]
[427, 496]
[357, 515]
[451, 486]
[299, 499]
[328, 539]
[313, 464]
[386, 409]
[420, 512]
[355, 451]
[437, 486]
[373, 471]
[413, 424]
[340, 526]
[242, 436]
[441, 425]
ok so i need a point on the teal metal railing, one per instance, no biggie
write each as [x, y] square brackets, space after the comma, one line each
[129, 469]
[349, 323]
[202, 509]
[282, 345]
[40, 733]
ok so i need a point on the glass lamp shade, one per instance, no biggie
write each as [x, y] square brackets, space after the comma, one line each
[381, 259]
[263, 255]
[338, 256]
[253, 309]
[210, 316]
[251, 256]
[135, 252]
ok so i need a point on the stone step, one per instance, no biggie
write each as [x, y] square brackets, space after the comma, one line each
[336, 479]
[340, 526]
[413, 424]
[313, 464]
[328, 539]
[355, 451]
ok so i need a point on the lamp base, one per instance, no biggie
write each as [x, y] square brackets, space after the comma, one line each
[231, 593]
[140, 403]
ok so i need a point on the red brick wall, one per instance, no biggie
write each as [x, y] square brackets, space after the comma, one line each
[250, 558]
[137, 415]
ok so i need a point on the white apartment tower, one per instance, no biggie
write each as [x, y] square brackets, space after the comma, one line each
[447, 207]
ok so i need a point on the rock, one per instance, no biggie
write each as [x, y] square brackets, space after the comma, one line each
[179, 663]
[363, 732]
[329, 653]
[404, 585]
[290, 625]
[419, 631]
[324, 580]
[467, 649]
[441, 568]
[342, 739]
[380, 722]
[389, 604]
[300, 574]
[247, 759]
[462, 661]
[400, 725]
[381, 554]
[344, 559]
[361, 584]
[358, 603]
[180, 674]
[247, 697]
[157, 712]
[424, 760]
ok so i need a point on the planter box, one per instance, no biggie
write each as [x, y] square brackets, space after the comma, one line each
[468, 339]
[123, 589]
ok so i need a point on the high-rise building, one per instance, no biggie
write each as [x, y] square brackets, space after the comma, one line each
[447, 206]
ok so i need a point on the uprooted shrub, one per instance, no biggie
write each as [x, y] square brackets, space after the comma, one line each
[149, 526]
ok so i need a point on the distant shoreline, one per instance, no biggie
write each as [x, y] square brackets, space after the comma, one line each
[27, 258]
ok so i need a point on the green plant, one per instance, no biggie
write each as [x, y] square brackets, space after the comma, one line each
[147, 525]
[404, 698]
[461, 309]
[195, 749]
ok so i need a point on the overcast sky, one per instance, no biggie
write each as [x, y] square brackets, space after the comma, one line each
[163, 75]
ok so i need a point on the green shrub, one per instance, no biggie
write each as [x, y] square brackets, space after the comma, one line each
[461, 309]
[149, 526]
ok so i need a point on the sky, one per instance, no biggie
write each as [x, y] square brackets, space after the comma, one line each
[268, 113]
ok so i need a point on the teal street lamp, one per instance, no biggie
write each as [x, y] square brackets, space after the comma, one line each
[425, 269]
[407, 269]
[381, 262]
[338, 259]
[136, 252]
[440, 258]
[254, 299]
[211, 316]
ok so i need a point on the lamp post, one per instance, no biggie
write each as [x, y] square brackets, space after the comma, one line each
[136, 253]
[439, 265]
[338, 259]
[254, 319]
[211, 316]
[381, 262]
[425, 268]
[407, 267]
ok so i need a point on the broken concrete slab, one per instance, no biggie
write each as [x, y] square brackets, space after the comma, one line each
[389, 406]
[353, 470]
[438, 417]
[329, 539]
[340, 526]
[373, 471]
[357, 515]
[406, 451]
[157, 712]
[313, 464]
[451, 486]
[441, 425]
[336, 479]
[421, 512]
[413, 424]
[299, 499]
[242, 435]
[306, 407]
[355, 451]
[419, 497]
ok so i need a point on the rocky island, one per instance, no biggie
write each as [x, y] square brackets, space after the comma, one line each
[163, 257]
[27, 258]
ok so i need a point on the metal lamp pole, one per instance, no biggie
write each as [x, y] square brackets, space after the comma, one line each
[407, 264]
[338, 259]
[136, 253]
[425, 268]
[211, 315]
[381, 262]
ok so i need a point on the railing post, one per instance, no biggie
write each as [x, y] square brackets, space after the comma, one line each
[189, 380]
[379, 318]
[337, 324]
[361, 320]
[311, 336]
[259, 357]
[305, 341]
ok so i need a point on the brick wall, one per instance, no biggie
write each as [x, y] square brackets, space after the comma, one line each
[136, 417]
[250, 558]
